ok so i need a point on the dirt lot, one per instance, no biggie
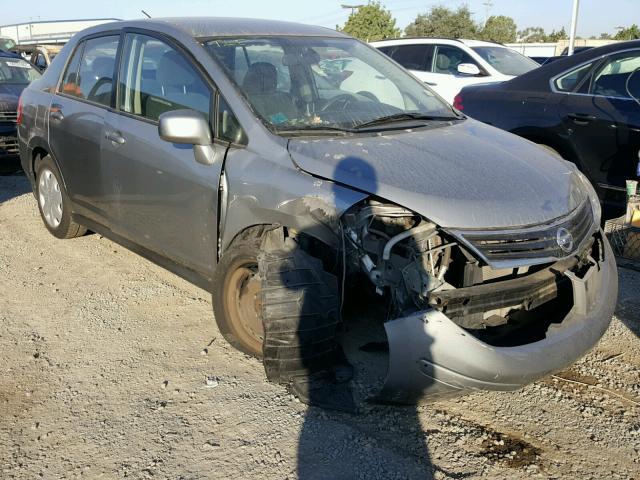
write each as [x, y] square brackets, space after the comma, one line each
[111, 367]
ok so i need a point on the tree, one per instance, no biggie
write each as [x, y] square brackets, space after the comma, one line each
[605, 36]
[499, 29]
[443, 22]
[532, 34]
[555, 36]
[370, 23]
[630, 33]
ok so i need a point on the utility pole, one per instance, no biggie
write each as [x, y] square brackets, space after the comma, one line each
[352, 7]
[487, 7]
[574, 25]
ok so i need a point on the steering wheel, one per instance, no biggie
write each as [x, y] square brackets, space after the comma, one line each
[341, 100]
[102, 81]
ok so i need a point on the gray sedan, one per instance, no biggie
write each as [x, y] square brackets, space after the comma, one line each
[292, 170]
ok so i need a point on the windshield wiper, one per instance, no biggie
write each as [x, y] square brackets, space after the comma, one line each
[399, 117]
[302, 129]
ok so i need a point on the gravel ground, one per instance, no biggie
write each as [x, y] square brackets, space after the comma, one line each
[112, 367]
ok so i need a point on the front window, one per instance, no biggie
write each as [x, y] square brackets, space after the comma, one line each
[18, 71]
[505, 60]
[315, 83]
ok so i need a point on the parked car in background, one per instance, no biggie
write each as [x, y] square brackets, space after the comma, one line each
[39, 55]
[15, 74]
[586, 107]
[449, 65]
[273, 163]
[7, 44]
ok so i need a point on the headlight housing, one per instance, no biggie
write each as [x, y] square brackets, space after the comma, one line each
[593, 196]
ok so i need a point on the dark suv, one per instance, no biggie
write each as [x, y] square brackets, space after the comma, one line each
[289, 170]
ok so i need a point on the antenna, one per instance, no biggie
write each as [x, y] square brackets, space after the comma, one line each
[146, 14]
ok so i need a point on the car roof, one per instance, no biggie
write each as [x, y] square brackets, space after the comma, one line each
[539, 77]
[5, 54]
[429, 40]
[203, 27]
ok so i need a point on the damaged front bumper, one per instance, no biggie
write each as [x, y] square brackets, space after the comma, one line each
[432, 357]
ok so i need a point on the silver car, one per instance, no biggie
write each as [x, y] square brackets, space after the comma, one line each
[292, 171]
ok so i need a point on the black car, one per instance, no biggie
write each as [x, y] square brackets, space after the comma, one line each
[15, 74]
[586, 107]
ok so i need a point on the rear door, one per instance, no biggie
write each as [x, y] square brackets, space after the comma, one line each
[416, 58]
[76, 122]
[159, 196]
[602, 122]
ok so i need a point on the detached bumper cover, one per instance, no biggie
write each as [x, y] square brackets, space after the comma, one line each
[430, 356]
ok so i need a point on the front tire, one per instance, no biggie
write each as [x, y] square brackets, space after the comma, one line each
[236, 294]
[53, 202]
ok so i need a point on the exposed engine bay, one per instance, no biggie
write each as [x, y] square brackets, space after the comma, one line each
[419, 267]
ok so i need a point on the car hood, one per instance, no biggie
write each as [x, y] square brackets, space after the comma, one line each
[459, 175]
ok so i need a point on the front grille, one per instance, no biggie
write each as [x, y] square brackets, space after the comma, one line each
[530, 245]
[9, 145]
[8, 117]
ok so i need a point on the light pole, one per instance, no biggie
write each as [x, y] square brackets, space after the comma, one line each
[352, 7]
[574, 25]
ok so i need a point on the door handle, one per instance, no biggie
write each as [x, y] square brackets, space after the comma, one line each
[115, 138]
[581, 118]
[431, 84]
[55, 112]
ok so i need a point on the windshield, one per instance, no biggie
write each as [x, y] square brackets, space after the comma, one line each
[505, 60]
[303, 83]
[16, 70]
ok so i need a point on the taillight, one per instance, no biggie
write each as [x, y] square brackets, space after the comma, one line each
[19, 112]
[457, 102]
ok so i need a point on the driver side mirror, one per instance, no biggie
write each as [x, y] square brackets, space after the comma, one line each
[188, 127]
[468, 69]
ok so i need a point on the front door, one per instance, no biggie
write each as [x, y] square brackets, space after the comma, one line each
[159, 196]
[444, 77]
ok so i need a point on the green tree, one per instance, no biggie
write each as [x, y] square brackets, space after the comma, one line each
[532, 34]
[499, 29]
[370, 23]
[555, 36]
[605, 36]
[630, 33]
[443, 22]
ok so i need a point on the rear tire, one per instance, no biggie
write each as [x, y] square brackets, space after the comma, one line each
[53, 202]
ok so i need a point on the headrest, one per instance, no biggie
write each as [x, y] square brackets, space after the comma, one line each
[261, 78]
[173, 69]
[442, 62]
[103, 67]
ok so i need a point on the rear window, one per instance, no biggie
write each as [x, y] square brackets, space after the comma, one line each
[17, 71]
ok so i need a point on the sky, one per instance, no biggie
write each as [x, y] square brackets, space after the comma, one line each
[596, 16]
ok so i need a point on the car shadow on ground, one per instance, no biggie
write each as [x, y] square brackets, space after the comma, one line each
[365, 436]
[628, 308]
[12, 186]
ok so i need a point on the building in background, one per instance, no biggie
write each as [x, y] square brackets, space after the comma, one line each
[49, 32]
[553, 49]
